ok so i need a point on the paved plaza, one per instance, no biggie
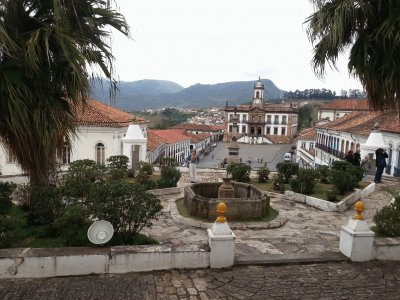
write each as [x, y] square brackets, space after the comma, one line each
[372, 280]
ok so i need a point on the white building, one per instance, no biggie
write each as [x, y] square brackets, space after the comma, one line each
[351, 132]
[102, 131]
[261, 123]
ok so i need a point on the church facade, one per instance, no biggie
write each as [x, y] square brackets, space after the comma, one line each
[260, 122]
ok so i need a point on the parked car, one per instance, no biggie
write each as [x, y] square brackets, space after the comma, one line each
[287, 157]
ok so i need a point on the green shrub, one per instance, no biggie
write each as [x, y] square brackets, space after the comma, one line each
[387, 220]
[126, 206]
[345, 176]
[72, 226]
[141, 177]
[117, 167]
[170, 176]
[278, 183]
[22, 196]
[45, 205]
[288, 170]
[146, 167]
[6, 188]
[168, 161]
[323, 172]
[80, 177]
[263, 174]
[8, 230]
[305, 181]
[239, 171]
[331, 195]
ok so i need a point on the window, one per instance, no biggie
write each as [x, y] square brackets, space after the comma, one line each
[268, 119]
[252, 118]
[276, 120]
[100, 154]
[66, 154]
[283, 131]
[257, 94]
[243, 129]
[268, 130]
[311, 145]
[276, 130]
[230, 128]
[303, 144]
[284, 120]
[259, 118]
[11, 156]
[258, 130]
[244, 118]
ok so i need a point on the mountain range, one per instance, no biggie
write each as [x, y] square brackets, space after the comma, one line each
[148, 93]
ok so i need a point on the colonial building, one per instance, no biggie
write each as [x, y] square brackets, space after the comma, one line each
[102, 131]
[215, 132]
[305, 148]
[261, 123]
[172, 143]
[352, 131]
[339, 108]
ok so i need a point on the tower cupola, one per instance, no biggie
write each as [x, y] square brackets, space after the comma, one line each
[258, 95]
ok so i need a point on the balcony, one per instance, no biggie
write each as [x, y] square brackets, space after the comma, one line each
[330, 150]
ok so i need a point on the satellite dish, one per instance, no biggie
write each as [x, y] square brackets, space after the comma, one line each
[100, 232]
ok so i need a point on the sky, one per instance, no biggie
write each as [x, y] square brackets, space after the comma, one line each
[214, 41]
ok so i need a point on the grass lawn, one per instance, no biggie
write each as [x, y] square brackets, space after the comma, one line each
[320, 190]
[184, 212]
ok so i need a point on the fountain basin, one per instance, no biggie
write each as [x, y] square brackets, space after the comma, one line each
[248, 203]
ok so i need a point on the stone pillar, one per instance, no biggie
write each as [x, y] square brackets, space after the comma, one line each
[356, 239]
[221, 240]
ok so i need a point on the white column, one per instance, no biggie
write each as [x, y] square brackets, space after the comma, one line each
[222, 243]
[356, 241]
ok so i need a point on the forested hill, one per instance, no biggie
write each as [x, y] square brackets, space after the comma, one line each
[142, 94]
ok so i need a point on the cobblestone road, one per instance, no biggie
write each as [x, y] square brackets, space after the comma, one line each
[372, 280]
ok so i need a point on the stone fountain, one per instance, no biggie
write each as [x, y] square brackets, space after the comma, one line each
[245, 201]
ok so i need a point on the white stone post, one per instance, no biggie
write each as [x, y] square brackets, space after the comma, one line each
[222, 241]
[356, 238]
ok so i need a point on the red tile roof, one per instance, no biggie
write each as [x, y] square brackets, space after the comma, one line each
[171, 135]
[100, 114]
[153, 140]
[283, 108]
[307, 134]
[362, 123]
[195, 138]
[197, 127]
[346, 104]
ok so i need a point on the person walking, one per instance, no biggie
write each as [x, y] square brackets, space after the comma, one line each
[193, 160]
[381, 156]
[366, 165]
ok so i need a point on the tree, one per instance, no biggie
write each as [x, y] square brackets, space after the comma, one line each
[44, 76]
[370, 28]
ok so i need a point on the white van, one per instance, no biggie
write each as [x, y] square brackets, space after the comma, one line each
[287, 157]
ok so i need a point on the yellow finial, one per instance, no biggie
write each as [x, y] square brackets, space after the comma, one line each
[221, 210]
[359, 208]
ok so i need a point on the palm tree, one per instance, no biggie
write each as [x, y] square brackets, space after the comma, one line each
[371, 30]
[49, 52]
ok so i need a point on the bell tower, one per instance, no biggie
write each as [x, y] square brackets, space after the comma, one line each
[258, 95]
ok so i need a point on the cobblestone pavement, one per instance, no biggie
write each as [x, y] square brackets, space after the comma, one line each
[372, 280]
[307, 230]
